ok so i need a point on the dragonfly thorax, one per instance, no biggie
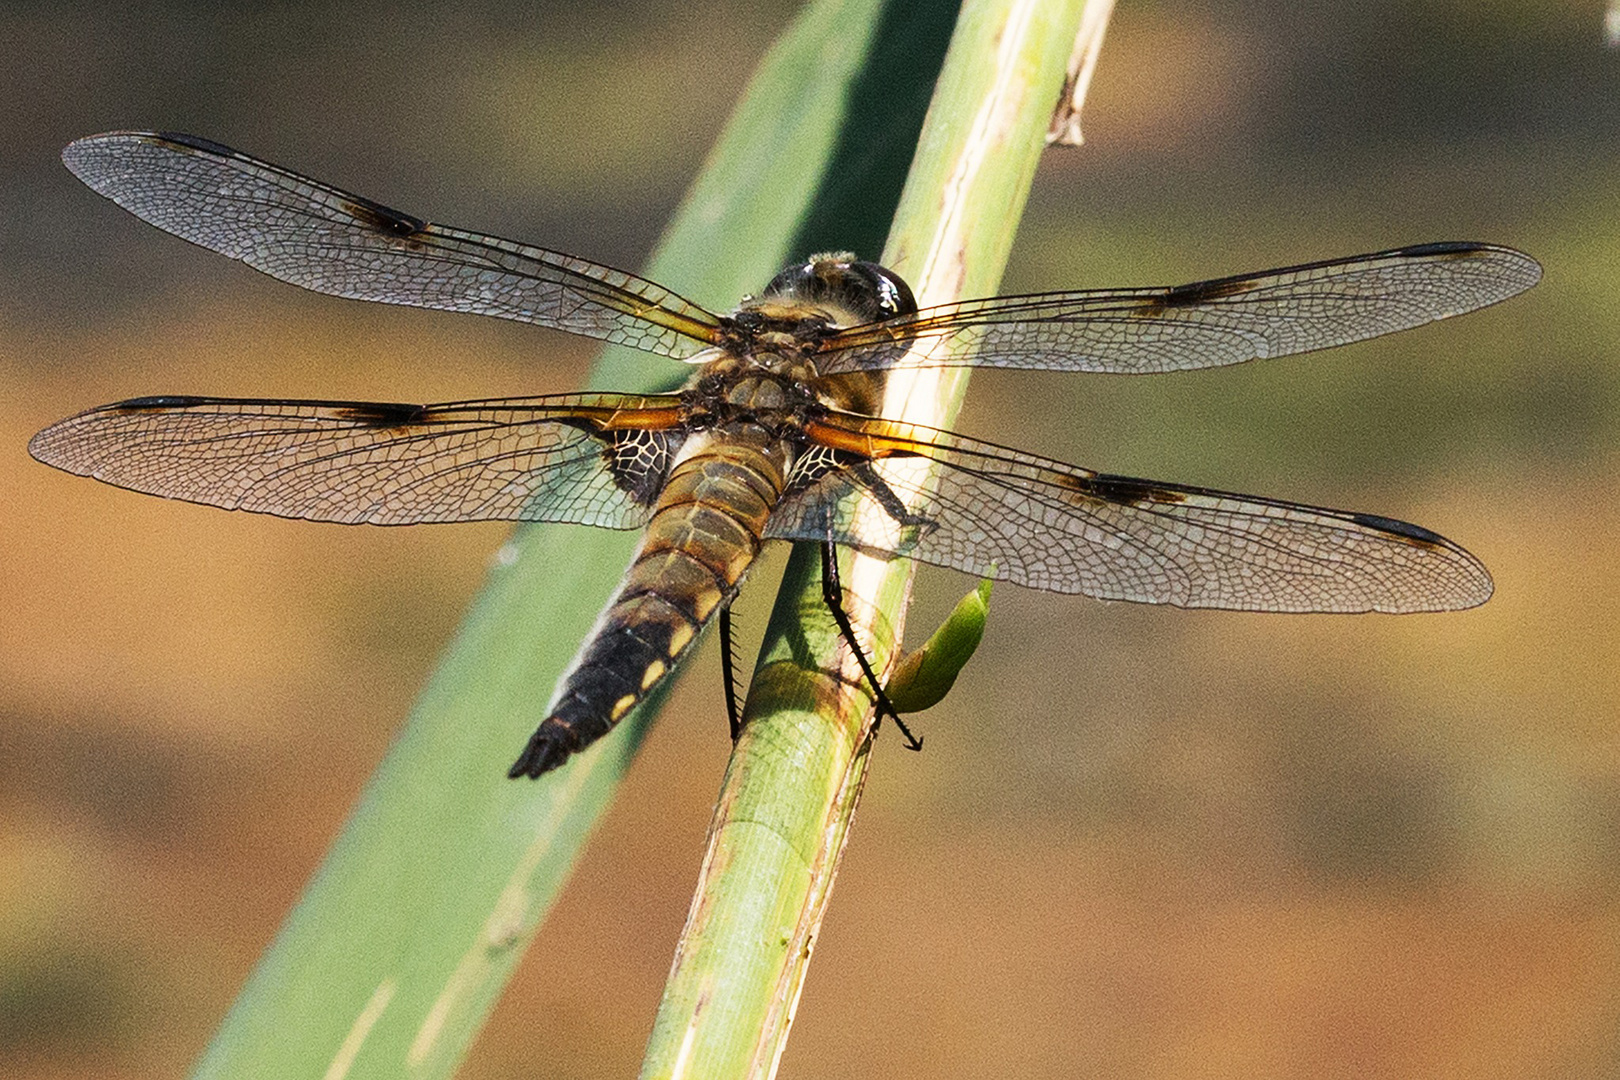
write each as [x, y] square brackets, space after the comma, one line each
[772, 399]
[773, 336]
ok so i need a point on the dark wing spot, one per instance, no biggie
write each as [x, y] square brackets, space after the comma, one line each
[1194, 295]
[1460, 249]
[155, 404]
[383, 219]
[1202, 292]
[1124, 490]
[1404, 529]
[382, 414]
[207, 146]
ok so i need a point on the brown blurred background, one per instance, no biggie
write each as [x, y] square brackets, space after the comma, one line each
[1141, 842]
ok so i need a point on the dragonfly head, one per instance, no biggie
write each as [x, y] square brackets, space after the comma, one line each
[850, 291]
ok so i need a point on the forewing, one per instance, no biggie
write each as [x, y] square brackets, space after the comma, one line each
[594, 459]
[322, 238]
[999, 513]
[1205, 324]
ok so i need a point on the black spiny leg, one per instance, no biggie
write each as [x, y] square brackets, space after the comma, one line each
[728, 660]
[832, 592]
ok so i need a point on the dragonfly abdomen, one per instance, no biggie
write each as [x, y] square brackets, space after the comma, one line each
[704, 534]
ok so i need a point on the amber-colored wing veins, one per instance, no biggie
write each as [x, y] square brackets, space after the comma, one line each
[991, 511]
[322, 238]
[593, 459]
[1205, 324]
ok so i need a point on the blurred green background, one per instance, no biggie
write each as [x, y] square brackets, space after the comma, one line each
[1141, 842]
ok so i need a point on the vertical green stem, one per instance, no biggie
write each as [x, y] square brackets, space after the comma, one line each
[796, 775]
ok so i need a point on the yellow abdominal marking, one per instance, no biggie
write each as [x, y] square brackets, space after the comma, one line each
[704, 602]
[654, 672]
[622, 706]
[679, 638]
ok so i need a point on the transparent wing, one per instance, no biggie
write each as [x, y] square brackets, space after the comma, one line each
[322, 238]
[595, 459]
[996, 512]
[1205, 324]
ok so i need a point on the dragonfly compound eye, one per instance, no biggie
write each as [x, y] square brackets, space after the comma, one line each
[852, 290]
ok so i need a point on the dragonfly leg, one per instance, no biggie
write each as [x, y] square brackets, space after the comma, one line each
[728, 662]
[832, 593]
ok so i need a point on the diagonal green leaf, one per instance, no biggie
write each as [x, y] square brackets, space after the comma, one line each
[403, 940]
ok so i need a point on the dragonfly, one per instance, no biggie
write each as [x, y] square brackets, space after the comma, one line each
[775, 435]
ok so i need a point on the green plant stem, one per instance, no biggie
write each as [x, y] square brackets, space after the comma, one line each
[796, 774]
